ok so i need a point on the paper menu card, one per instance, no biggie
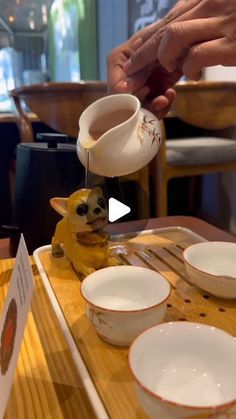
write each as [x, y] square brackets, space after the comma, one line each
[13, 320]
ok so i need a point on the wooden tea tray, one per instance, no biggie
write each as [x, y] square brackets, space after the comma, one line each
[103, 368]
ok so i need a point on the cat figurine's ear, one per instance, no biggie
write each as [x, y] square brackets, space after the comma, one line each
[98, 190]
[59, 205]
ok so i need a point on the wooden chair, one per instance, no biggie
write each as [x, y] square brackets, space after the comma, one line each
[204, 104]
[59, 106]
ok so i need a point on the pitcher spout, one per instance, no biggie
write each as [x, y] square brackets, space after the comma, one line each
[101, 117]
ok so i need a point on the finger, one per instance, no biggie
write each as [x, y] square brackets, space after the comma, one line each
[179, 9]
[116, 82]
[161, 109]
[131, 84]
[115, 75]
[216, 52]
[163, 102]
[161, 105]
[115, 62]
[145, 50]
[180, 36]
[170, 94]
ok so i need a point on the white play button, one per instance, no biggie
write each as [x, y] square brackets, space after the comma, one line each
[116, 209]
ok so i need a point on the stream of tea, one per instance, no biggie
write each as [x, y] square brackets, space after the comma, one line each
[87, 183]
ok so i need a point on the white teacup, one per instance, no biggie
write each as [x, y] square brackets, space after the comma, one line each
[122, 301]
[121, 136]
[185, 370]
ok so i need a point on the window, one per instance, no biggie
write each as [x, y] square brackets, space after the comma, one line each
[6, 78]
[65, 41]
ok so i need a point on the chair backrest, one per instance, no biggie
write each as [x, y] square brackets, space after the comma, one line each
[209, 107]
[206, 104]
[58, 105]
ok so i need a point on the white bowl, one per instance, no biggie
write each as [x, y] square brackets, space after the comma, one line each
[212, 267]
[122, 301]
[184, 369]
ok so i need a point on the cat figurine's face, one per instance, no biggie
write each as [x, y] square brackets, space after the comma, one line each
[85, 209]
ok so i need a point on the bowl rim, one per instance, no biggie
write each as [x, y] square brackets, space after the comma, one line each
[217, 276]
[164, 399]
[205, 84]
[112, 310]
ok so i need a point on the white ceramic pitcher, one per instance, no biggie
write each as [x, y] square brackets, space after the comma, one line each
[121, 136]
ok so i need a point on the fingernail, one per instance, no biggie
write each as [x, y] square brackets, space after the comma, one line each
[123, 84]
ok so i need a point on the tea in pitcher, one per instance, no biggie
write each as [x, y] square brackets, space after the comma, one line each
[109, 121]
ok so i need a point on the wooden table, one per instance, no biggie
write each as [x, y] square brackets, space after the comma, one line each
[46, 383]
[197, 225]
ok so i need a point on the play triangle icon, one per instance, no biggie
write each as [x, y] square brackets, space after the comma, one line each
[117, 209]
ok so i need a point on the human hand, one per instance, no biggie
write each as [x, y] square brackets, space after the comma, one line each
[194, 35]
[152, 84]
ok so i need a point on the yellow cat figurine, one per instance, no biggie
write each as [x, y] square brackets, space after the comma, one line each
[79, 235]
